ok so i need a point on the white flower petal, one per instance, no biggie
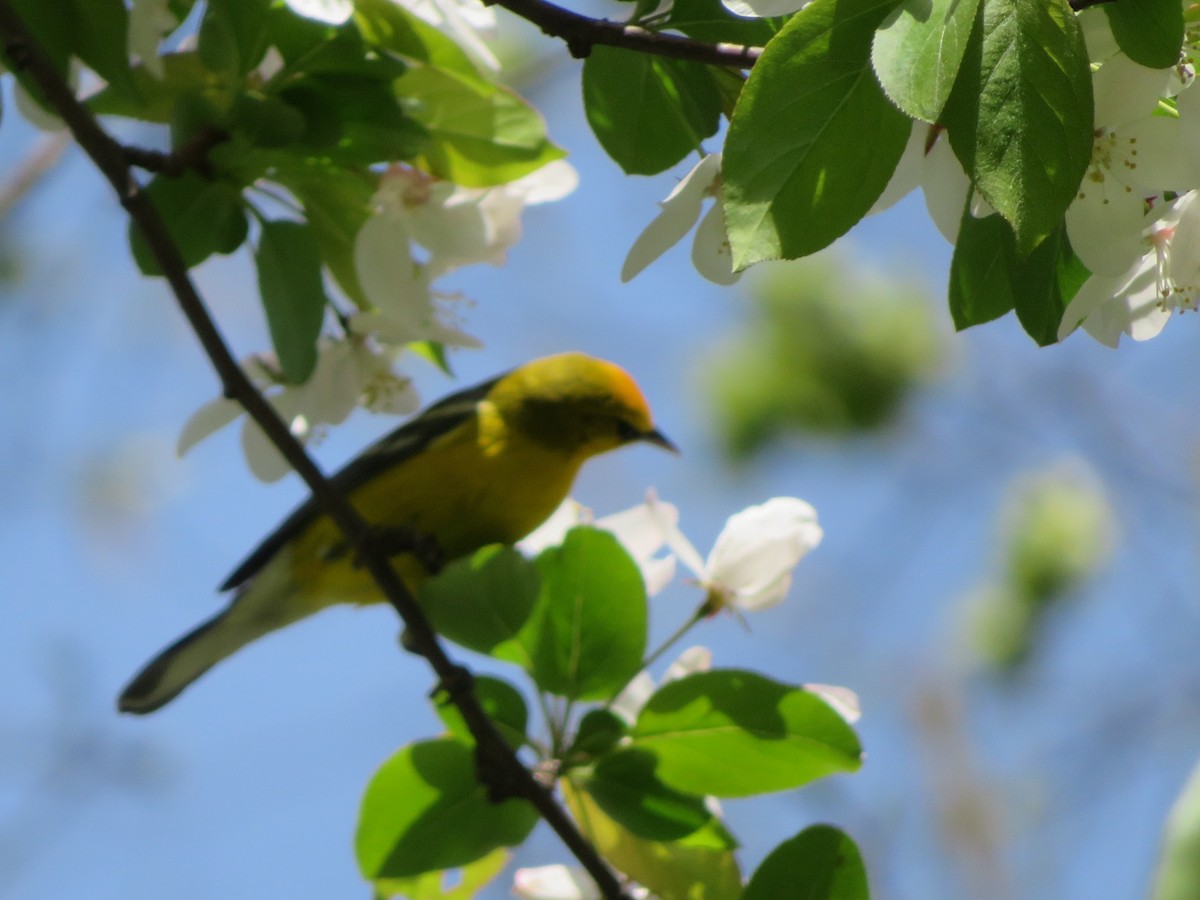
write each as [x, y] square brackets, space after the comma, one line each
[1161, 162]
[668, 516]
[468, 21]
[331, 12]
[640, 528]
[679, 213]
[551, 532]
[1124, 92]
[551, 182]
[907, 174]
[1092, 294]
[690, 661]
[763, 9]
[1105, 224]
[554, 883]
[1140, 304]
[1101, 45]
[843, 700]
[386, 270]
[265, 462]
[945, 186]
[658, 573]
[633, 697]
[755, 553]
[711, 253]
[209, 418]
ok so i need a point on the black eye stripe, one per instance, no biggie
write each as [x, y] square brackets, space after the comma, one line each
[626, 431]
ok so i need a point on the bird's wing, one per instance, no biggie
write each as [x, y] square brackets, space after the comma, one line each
[406, 441]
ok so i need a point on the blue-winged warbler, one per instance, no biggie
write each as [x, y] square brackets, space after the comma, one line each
[482, 466]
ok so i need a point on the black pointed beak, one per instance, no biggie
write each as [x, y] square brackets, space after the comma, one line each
[656, 437]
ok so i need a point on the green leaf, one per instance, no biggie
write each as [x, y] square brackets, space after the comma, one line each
[710, 21]
[733, 733]
[390, 26]
[483, 601]
[354, 120]
[980, 287]
[293, 295]
[310, 47]
[500, 700]
[425, 810]
[988, 277]
[234, 35]
[480, 134]
[266, 121]
[648, 112]
[202, 217]
[52, 29]
[1150, 32]
[820, 863]
[700, 866]
[598, 732]
[1044, 283]
[153, 99]
[468, 881]
[1020, 115]
[336, 203]
[1178, 875]
[589, 631]
[102, 41]
[813, 140]
[917, 52]
[625, 787]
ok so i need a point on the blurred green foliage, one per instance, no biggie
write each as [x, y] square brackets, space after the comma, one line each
[1057, 530]
[825, 351]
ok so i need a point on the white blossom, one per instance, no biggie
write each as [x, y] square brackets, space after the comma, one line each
[1135, 155]
[348, 373]
[711, 253]
[1140, 300]
[423, 228]
[555, 882]
[929, 162]
[764, 9]
[469, 22]
[751, 562]
[331, 12]
[638, 529]
[149, 20]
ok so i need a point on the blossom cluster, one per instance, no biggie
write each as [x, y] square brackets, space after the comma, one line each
[1134, 223]
[420, 229]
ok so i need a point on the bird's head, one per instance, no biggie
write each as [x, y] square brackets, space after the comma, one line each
[576, 403]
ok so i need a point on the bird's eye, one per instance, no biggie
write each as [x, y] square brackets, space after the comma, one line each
[626, 431]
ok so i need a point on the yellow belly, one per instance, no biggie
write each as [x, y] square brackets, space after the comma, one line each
[462, 491]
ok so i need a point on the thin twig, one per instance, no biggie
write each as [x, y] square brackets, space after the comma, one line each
[499, 764]
[192, 155]
[581, 33]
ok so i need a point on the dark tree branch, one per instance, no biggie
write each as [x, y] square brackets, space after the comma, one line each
[1078, 5]
[192, 155]
[499, 763]
[581, 33]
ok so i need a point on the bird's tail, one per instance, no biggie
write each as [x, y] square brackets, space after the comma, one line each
[253, 613]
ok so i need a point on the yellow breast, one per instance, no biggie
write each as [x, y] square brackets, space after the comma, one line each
[477, 485]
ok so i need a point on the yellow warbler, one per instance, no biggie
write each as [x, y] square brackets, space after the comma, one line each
[482, 466]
